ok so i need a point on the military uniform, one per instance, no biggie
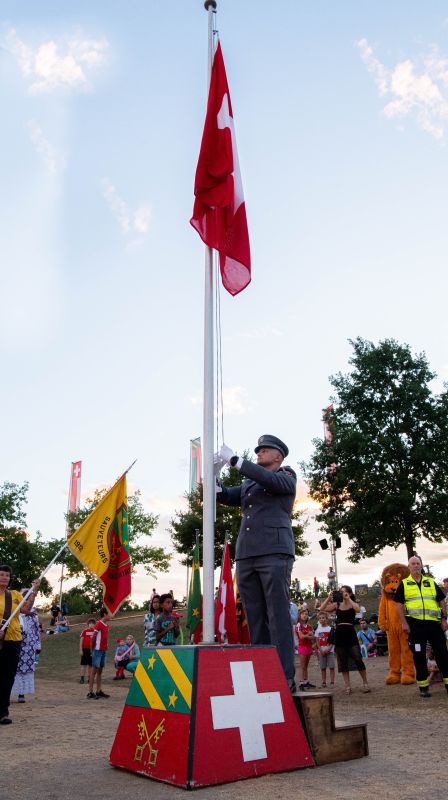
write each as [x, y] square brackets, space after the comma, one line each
[265, 550]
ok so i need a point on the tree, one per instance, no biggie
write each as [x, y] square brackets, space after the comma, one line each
[26, 557]
[381, 476]
[141, 524]
[184, 524]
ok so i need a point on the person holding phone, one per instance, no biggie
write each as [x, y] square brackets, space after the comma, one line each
[343, 601]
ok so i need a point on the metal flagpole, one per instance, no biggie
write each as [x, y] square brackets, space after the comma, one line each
[208, 540]
[61, 579]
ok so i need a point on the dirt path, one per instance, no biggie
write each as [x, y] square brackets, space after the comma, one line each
[58, 747]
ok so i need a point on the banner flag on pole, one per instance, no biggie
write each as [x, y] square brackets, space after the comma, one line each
[328, 433]
[194, 609]
[226, 627]
[75, 486]
[241, 621]
[195, 464]
[219, 212]
[101, 543]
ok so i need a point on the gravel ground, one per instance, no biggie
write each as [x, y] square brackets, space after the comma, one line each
[59, 744]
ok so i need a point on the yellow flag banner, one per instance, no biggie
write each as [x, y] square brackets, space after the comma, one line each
[101, 543]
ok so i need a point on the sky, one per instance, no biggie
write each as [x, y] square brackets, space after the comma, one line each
[341, 114]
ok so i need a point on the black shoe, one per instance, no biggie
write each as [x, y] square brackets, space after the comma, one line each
[81, 680]
[102, 694]
[21, 698]
[292, 686]
[92, 696]
[424, 693]
[6, 721]
[310, 685]
[302, 687]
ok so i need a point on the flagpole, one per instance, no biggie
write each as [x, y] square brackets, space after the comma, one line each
[25, 597]
[66, 532]
[208, 537]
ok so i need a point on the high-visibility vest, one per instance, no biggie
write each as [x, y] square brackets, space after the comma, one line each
[420, 601]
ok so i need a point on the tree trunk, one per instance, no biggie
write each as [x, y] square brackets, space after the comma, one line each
[409, 541]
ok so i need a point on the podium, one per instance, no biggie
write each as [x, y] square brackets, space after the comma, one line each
[204, 715]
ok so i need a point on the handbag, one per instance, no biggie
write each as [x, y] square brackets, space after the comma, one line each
[6, 615]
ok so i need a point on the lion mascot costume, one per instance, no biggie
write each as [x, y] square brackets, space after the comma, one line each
[401, 664]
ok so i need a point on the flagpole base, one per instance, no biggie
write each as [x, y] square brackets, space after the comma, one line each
[189, 717]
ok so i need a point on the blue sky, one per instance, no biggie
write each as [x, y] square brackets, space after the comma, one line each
[341, 113]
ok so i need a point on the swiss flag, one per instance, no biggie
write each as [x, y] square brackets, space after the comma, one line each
[225, 614]
[75, 486]
[219, 213]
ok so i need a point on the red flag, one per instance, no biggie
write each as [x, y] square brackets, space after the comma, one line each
[225, 609]
[219, 213]
[75, 486]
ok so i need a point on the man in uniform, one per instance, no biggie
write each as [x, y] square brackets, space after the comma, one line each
[422, 611]
[265, 545]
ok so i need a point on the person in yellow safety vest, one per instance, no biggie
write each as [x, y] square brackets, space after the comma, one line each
[422, 610]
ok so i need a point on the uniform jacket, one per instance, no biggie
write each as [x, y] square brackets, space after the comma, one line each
[266, 500]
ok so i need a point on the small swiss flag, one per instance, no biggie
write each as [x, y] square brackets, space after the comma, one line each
[219, 213]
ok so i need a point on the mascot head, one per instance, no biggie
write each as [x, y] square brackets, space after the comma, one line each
[391, 578]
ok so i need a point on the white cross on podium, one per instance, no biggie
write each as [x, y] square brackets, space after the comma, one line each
[248, 710]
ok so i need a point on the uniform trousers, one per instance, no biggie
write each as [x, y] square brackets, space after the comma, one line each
[423, 631]
[263, 583]
[9, 659]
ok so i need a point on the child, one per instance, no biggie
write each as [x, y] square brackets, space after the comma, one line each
[305, 635]
[119, 654]
[325, 649]
[167, 624]
[99, 650]
[85, 650]
[433, 670]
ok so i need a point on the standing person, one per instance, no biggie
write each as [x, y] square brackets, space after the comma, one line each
[367, 639]
[149, 622]
[325, 648]
[316, 588]
[305, 636]
[167, 623]
[85, 650]
[30, 645]
[346, 642]
[265, 546]
[422, 612]
[11, 637]
[99, 651]
[331, 575]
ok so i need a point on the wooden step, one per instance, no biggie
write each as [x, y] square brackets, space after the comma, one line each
[328, 742]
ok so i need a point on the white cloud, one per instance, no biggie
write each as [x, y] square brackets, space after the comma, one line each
[129, 221]
[43, 147]
[412, 88]
[63, 64]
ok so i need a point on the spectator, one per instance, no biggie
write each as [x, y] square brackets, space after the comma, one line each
[11, 637]
[149, 622]
[62, 625]
[325, 648]
[305, 635]
[316, 588]
[431, 663]
[29, 647]
[331, 575]
[120, 651]
[346, 642]
[167, 624]
[361, 613]
[85, 650]
[367, 640]
[99, 651]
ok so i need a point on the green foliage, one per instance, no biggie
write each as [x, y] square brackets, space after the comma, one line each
[77, 601]
[27, 558]
[184, 524]
[390, 448]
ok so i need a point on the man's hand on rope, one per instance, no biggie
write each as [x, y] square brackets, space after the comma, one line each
[218, 464]
[226, 454]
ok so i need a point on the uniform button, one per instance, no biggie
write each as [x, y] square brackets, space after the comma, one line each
[250, 506]
[248, 516]
[247, 529]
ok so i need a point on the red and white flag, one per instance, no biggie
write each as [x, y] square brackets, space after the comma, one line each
[226, 628]
[75, 486]
[219, 213]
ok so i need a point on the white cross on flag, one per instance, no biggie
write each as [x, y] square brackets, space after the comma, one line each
[75, 486]
[219, 213]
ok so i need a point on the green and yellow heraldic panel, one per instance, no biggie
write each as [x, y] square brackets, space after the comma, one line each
[163, 679]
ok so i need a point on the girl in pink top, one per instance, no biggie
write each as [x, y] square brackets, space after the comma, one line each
[305, 635]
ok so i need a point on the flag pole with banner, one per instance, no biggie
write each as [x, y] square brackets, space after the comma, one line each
[101, 544]
[74, 496]
[219, 216]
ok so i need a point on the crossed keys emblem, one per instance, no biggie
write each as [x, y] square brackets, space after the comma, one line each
[150, 737]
